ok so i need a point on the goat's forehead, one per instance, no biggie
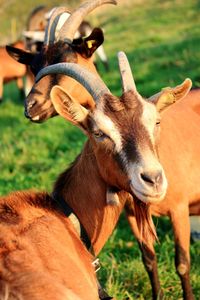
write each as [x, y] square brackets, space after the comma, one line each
[58, 52]
[118, 117]
[149, 111]
[113, 111]
[143, 108]
[103, 121]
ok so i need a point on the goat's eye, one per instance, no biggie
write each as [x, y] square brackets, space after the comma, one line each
[158, 123]
[98, 134]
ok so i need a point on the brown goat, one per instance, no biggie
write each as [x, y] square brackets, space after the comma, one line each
[38, 104]
[146, 177]
[178, 150]
[10, 69]
[41, 255]
[167, 95]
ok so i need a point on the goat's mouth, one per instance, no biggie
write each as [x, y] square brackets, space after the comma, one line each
[148, 196]
[39, 114]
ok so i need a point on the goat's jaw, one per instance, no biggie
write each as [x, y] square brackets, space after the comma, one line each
[148, 197]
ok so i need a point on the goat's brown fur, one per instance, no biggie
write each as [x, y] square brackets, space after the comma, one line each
[41, 256]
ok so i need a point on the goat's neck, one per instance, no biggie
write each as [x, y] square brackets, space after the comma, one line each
[83, 188]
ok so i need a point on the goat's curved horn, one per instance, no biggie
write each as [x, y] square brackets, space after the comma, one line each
[93, 84]
[52, 23]
[128, 83]
[72, 24]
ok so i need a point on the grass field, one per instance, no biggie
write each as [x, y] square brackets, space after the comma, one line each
[162, 41]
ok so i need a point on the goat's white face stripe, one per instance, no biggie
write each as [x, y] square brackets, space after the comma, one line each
[148, 118]
[109, 128]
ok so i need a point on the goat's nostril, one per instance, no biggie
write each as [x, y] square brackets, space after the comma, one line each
[147, 178]
[152, 178]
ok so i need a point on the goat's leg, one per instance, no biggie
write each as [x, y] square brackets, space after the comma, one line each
[181, 227]
[148, 256]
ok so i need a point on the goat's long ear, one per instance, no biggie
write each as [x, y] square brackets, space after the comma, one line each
[20, 55]
[169, 95]
[88, 45]
[67, 107]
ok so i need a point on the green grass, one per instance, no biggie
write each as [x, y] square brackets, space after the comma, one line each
[162, 41]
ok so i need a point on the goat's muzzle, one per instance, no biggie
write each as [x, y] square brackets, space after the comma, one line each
[149, 187]
[38, 111]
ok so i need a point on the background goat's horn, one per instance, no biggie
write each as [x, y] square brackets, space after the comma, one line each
[93, 84]
[128, 83]
[52, 23]
[72, 24]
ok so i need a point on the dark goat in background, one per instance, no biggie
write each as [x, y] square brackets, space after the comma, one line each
[62, 49]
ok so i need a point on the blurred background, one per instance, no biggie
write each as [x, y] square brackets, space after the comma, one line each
[162, 42]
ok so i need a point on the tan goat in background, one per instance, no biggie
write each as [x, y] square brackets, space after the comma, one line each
[11, 69]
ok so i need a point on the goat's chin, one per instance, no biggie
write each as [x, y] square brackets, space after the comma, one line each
[148, 198]
[37, 119]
